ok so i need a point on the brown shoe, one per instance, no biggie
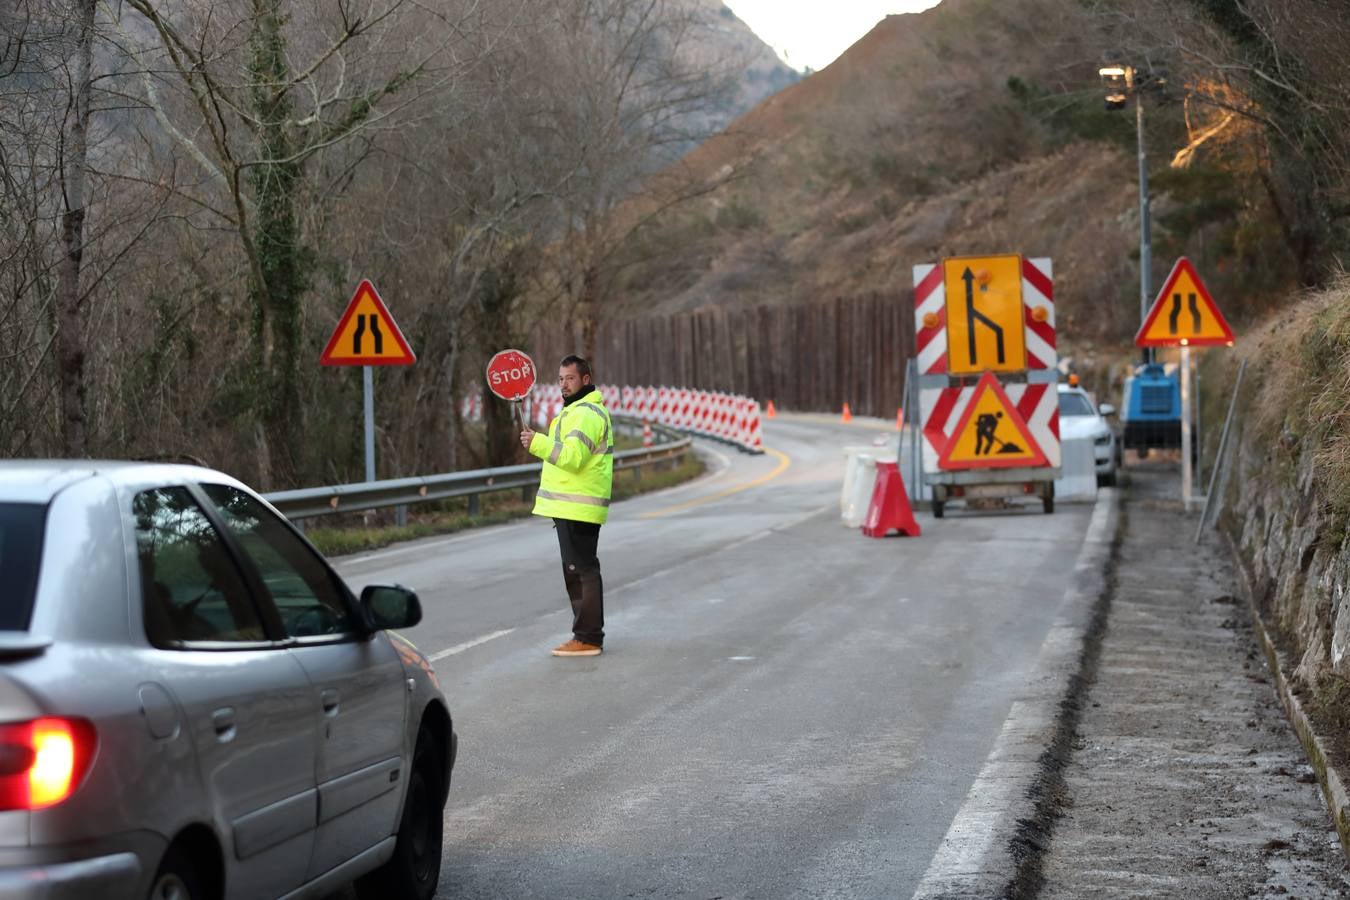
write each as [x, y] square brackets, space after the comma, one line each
[575, 647]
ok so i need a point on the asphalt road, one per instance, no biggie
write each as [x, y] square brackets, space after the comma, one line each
[785, 708]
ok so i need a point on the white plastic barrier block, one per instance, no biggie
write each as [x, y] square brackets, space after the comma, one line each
[1078, 476]
[860, 477]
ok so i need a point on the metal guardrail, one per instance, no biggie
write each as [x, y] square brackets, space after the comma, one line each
[305, 503]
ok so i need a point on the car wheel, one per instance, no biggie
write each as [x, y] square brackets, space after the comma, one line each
[177, 878]
[1107, 480]
[415, 868]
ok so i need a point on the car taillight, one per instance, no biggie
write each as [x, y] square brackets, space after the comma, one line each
[43, 761]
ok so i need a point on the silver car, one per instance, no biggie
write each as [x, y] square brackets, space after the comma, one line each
[194, 705]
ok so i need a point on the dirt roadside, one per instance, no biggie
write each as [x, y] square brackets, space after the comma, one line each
[1186, 779]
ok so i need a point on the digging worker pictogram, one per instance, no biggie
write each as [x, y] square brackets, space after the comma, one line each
[986, 424]
[574, 491]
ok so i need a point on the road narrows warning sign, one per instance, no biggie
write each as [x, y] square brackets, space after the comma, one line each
[1184, 314]
[991, 433]
[367, 335]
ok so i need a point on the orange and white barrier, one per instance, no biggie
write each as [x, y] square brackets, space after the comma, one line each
[725, 417]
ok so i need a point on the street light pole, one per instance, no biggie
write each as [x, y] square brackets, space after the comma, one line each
[1145, 231]
[1123, 82]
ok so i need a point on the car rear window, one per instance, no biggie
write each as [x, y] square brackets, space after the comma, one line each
[21, 527]
[1074, 405]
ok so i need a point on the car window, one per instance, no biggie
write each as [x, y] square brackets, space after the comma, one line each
[1075, 405]
[190, 586]
[303, 588]
[21, 527]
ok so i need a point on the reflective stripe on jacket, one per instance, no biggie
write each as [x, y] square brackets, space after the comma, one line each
[578, 455]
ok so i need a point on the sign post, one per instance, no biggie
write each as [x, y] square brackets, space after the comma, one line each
[366, 335]
[510, 375]
[1186, 467]
[1184, 315]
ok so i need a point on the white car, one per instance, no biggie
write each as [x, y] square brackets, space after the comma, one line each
[1081, 419]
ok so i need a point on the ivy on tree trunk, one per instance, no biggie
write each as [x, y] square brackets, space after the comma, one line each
[70, 349]
[283, 259]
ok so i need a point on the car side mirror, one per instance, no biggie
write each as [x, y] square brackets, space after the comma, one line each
[1106, 409]
[390, 606]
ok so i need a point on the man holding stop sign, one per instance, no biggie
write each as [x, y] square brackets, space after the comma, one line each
[574, 491]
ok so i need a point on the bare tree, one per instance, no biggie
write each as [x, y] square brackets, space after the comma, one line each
[267, 87]
[1275, 65]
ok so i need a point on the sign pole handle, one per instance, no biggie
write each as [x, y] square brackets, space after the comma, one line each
[1186, 428]
[368, 397]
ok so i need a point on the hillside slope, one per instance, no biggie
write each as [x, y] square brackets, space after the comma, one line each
[914, 145]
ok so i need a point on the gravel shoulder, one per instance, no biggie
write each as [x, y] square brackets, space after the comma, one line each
[1186, 778]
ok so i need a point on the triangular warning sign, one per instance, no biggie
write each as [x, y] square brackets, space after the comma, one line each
[1184, 314]
[366, 334]
[991, 435]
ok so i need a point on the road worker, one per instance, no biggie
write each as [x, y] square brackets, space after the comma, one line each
[574, 491]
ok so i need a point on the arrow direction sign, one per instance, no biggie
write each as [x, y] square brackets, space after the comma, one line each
[985, 317]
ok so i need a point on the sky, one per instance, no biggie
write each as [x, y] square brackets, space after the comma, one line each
[814, 32]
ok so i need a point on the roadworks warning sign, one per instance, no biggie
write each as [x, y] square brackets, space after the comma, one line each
[991, 434]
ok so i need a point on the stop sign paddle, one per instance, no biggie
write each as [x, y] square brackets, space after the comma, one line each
[510, 375]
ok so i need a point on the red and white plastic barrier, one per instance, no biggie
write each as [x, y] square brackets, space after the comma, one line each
[726, 417]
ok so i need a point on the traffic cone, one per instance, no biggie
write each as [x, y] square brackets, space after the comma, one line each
[846, 416]
[890, 504]
[646, 432]
[900, 419]
[770, 412]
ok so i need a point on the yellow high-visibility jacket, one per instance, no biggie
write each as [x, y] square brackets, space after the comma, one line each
[578, 455]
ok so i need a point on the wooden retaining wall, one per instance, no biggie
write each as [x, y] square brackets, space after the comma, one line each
[812, 357]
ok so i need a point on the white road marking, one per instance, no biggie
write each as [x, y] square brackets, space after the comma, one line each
[723, 460]
[784, 463]
[749, 539]
[460, 648]
[493, 531]
[724, 465]
[1012, 764]
[760, 535]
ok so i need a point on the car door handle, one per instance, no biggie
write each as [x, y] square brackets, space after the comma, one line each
[222, 720]
[329, 699]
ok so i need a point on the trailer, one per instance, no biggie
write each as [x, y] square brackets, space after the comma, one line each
[987, 382]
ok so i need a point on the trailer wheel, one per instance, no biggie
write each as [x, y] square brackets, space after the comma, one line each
[937, 509]
[1048, 497]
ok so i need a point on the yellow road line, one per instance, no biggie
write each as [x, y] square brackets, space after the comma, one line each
[783, 462]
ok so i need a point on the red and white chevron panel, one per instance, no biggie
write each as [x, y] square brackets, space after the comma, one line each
[1038, 294]
[930, 302]
[942, 409]
[1038, 309]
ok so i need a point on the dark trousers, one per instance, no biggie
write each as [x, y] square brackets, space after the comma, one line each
[581, 574]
